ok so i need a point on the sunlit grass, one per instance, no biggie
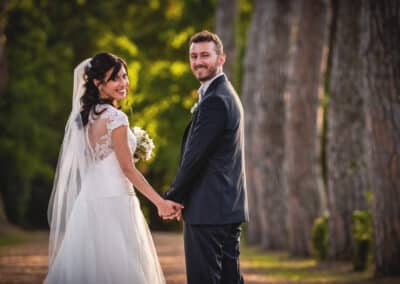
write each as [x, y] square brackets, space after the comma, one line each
[279, 267]
[12, 238]
[15, 236]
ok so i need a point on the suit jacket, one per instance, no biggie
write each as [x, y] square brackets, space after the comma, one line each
[211, 180]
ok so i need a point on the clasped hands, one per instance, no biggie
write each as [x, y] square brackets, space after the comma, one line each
[168, 210]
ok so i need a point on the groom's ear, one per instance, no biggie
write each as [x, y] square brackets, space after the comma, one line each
[96, 82]
[221, 59]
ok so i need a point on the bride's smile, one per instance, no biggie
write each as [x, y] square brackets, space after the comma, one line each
[114, 87]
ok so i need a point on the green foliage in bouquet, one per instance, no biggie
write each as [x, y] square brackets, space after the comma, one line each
[320, 237]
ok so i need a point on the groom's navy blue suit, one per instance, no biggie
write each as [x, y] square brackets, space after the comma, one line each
[211, 185]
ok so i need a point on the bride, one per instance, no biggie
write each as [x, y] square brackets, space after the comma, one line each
[97, 231]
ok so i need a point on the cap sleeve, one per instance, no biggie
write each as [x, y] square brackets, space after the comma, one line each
[115, 119]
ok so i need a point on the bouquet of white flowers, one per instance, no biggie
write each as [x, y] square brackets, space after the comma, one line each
[144, 144]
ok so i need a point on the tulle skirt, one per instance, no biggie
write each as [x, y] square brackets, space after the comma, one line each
[107, 238]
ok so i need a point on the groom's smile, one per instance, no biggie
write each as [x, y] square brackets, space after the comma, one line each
[204, 60]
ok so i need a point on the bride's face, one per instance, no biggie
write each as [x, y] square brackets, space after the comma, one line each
[116, 88]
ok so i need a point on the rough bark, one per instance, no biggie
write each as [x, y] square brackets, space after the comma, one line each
[380, 43]
[249, 104]
[226, 18]
[3, 83]
[347, 179]
[301, 137]
[268, 121]
[3, 68]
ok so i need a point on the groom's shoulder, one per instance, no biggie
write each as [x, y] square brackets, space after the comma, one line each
[221, 89]
[221, 84]
[225, 90]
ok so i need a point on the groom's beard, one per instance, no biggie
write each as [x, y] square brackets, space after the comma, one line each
[204, 73]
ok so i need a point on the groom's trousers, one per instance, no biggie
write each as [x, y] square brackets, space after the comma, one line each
[212, 254]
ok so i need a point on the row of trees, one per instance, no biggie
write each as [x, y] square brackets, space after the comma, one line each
[321, 89]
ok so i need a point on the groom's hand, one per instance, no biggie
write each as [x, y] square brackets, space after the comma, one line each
[179, 215]
[176, 214]
[167, 207]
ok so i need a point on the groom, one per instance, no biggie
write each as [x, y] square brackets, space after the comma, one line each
[211, 179]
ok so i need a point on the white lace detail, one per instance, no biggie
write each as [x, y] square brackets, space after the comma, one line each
[100, 128]
[116, 119]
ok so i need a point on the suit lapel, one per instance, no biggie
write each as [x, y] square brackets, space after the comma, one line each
[187, 134]
[189, 127]
[184, 139]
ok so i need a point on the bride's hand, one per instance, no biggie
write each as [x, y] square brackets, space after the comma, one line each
[168, 208]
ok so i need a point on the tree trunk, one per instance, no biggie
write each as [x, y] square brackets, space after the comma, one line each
[3, 68]
[301, 137]
[3, 83]
[3, 218]
[347, 179]
[250, 69]
[226, 17]
[268, 120]
[380, 43]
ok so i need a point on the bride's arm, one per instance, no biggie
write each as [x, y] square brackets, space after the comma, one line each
[125, 159]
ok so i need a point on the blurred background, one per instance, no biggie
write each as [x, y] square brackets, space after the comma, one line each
[320, 85]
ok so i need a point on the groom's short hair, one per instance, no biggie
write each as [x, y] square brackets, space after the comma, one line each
[206, 36]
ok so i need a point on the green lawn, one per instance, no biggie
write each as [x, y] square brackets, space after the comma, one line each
[14, 236]
[278, 267]
[274, 267]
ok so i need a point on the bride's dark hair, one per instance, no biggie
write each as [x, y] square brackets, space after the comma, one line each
[96, 70]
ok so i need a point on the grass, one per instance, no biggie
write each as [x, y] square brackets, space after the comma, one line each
[273, 267]
[10, 235]
[14, 236]
[12, 239]
[279, 267]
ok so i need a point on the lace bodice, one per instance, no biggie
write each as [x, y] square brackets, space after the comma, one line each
[100, 127]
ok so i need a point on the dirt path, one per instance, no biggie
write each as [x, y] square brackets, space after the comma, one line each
[27, 262]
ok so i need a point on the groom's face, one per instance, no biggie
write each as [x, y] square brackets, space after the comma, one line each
[204, 60]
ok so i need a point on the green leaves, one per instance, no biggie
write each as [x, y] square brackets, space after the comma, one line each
[320, 237]
[46, 39]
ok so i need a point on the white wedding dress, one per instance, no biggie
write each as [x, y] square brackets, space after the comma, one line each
[107, 240]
